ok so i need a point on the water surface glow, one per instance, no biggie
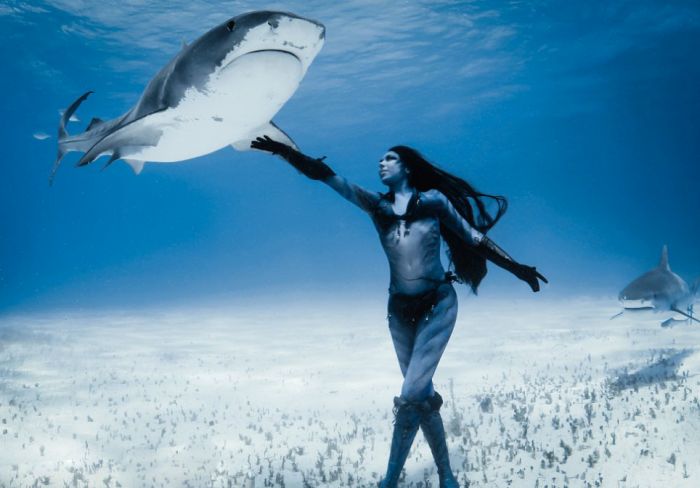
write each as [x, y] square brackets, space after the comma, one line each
[584, 115]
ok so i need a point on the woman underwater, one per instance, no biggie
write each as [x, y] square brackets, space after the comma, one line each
[423, 204]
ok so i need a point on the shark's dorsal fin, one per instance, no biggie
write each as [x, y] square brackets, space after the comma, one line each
[95, 121]
[663, 263]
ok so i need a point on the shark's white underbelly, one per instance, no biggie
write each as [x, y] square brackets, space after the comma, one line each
[237, 99]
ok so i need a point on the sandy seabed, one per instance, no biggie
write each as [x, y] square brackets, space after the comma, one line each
[537, 394]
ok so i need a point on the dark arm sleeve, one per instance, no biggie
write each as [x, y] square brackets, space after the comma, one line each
[317, 169]
[482, 244]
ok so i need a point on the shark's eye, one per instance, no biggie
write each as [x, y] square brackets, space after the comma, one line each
[230, 25]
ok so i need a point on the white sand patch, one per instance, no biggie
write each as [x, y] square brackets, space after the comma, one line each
[537, 394]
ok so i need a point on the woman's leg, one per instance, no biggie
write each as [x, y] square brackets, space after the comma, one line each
[419, 342]
[402, 334]
[434, 432]
[431, 339]
[406, 416]
[431, 335]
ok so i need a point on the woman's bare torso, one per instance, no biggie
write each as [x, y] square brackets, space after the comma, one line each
[411, 242]
[409, 231]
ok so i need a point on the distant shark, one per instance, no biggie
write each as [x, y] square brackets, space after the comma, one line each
[222, 89]
[661, 290]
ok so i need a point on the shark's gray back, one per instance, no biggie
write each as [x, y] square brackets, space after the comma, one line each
[662, 282]
[660, 285]
[194, 64]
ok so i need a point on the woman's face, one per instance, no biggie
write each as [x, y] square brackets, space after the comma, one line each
[391, 169]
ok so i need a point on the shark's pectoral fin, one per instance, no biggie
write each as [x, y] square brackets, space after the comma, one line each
[136, 165]
[270, 130]
[685, 314]
[115, 156]
[617, 315]
[670, 322]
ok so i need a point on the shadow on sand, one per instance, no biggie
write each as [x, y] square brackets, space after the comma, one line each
[663, 366]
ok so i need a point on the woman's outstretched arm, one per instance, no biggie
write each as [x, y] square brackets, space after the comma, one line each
[482, 244]
[316, 169]
[363, 198]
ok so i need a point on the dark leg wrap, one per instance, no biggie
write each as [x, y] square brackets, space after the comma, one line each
[408, 417]
[434, 432]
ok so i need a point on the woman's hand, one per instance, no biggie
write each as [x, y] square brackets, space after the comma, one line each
[315, 169]
[529, 275]
[266, 143]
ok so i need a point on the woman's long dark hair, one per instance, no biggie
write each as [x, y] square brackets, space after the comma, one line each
[469, 267]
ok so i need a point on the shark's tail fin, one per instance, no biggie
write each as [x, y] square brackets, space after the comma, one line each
[663, 263]
[695, 288]
[63, 133]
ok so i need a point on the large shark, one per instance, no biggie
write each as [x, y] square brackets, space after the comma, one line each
[222, 89]
[661, 290]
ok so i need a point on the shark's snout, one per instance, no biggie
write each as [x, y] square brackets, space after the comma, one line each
[320, 27]
[634, 297]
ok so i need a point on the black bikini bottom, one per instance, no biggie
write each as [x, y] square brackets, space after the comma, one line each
[413, 308]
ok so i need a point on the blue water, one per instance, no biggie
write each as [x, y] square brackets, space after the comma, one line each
[586, 115]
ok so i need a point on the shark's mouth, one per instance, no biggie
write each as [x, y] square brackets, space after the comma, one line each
[273, 74]
[261, 51]
[636, 304]
[273, 51]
